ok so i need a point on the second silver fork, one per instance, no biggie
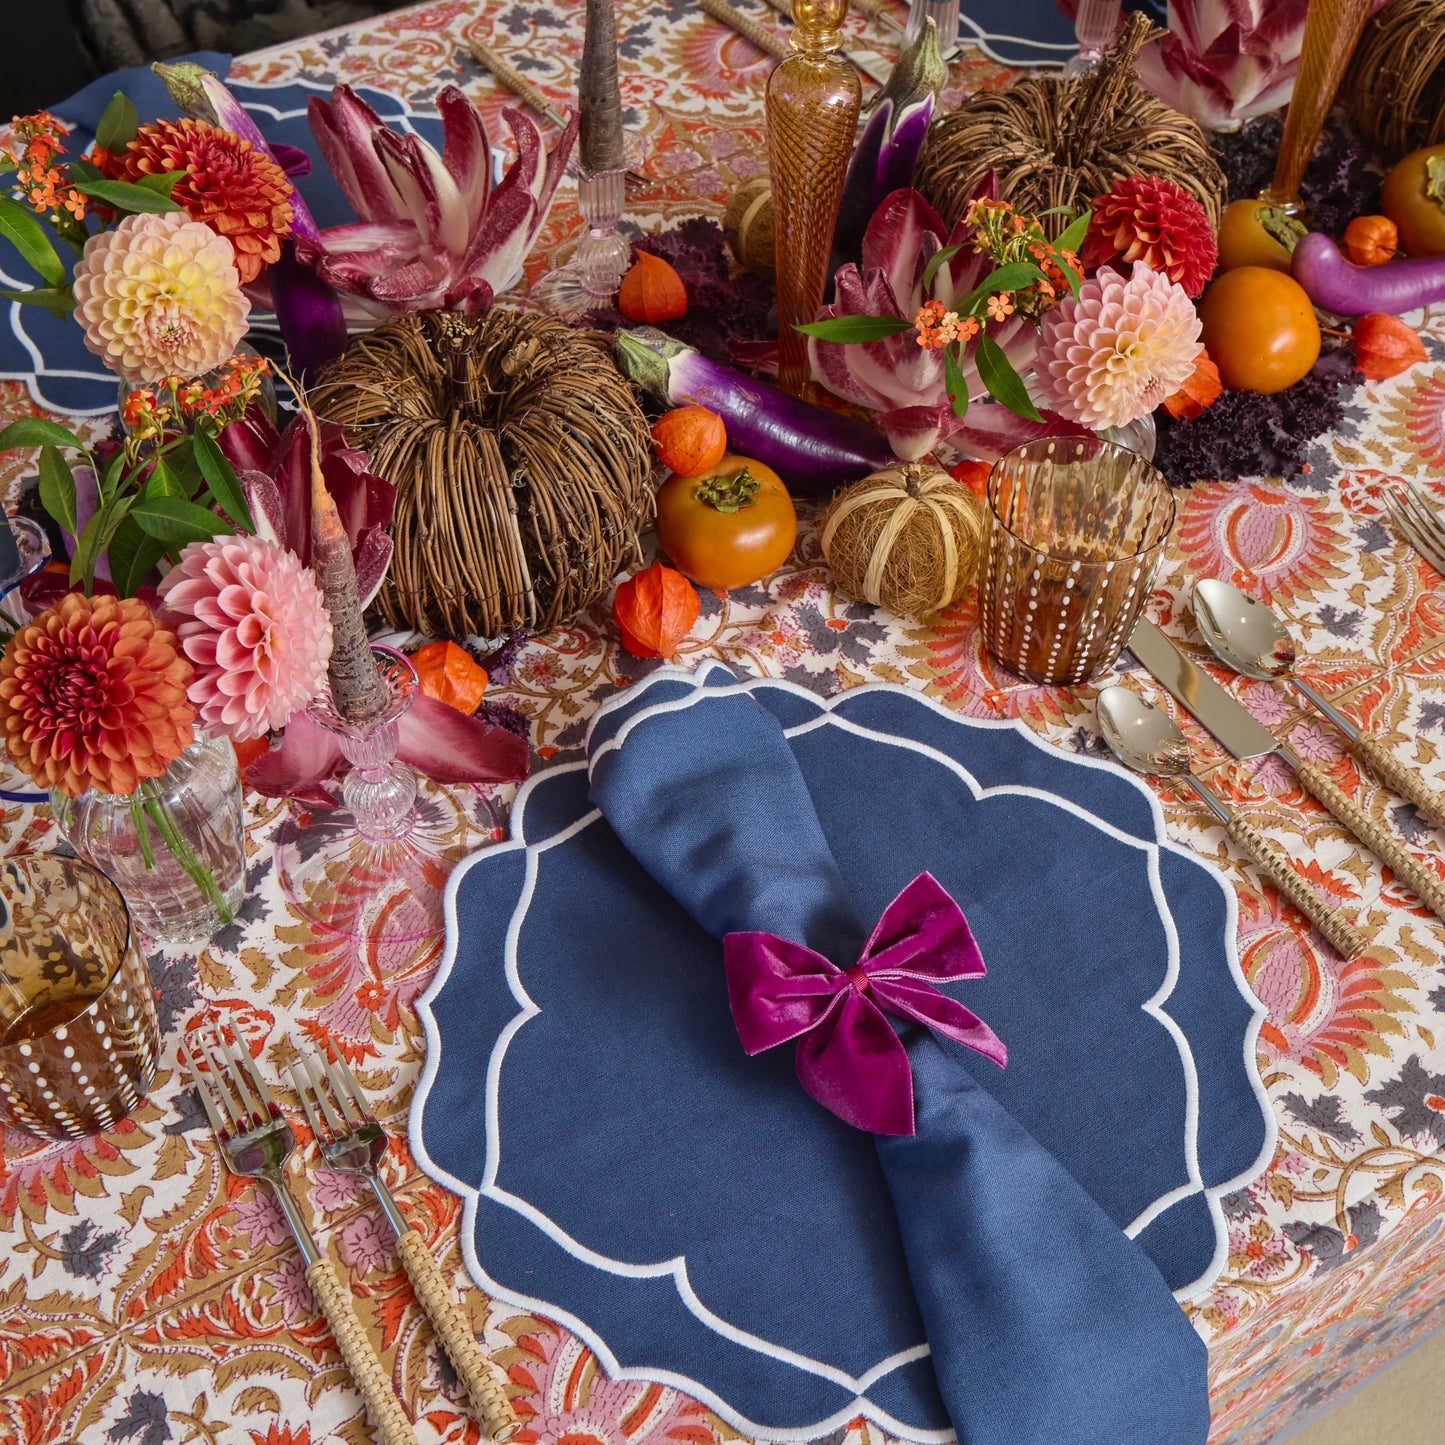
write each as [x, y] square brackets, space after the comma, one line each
[1421, 525]
[353, 1142]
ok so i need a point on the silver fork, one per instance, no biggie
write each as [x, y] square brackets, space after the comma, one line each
[1413, 514]
[352, 1141]
[256, 1141]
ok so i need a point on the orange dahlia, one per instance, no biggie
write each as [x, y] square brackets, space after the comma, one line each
[237, 190]
[93, 695]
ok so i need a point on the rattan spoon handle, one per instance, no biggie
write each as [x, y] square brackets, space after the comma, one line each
[1387, 848]
[1276, 867]
[768, 41]
[388, 1420]
[489, 1399]
[1372, 750]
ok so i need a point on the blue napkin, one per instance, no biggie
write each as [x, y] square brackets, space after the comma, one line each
[1036, 32]
[1044, 1321]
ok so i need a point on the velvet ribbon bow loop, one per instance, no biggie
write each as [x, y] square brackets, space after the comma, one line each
[849, 1058]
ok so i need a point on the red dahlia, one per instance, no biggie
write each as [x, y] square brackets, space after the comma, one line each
[1150, 219]
[234, 188]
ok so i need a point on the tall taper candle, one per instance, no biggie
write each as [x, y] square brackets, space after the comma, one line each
[598, 93]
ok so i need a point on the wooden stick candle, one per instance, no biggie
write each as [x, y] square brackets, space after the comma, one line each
[599, 97]
[357, 691]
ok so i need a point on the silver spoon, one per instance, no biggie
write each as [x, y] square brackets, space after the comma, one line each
[1146, 739]
[1245, 635]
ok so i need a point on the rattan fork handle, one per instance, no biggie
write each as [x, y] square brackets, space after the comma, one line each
[768, 41]
[1415, 876]
[389, 1422]
[1374, 752]
[489, 1399]
[1276, 867]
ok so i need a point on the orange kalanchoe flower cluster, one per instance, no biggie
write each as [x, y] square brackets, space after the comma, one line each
[939, 327]
[149, 410]
[237, 190]
[35, 141]
[93, 695]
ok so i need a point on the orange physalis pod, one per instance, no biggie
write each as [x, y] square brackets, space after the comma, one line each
[690, 440]
[1372, 240]
[447, 673]
[1201, 390]
[651, 291]
[654, 610]
[1385, 346]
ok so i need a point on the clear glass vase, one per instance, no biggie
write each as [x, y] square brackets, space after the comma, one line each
[175, 847]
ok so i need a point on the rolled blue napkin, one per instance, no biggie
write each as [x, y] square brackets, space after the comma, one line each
[1045, 1323]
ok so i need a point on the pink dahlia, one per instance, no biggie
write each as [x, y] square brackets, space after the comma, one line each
[251, 619]
[1112, 353]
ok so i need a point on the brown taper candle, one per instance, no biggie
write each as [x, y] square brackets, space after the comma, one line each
[597, 92]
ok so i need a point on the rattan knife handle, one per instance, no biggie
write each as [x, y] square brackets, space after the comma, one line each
[1385, 846]
[489, 1399]
[1276, 867]
[388, 1420]
[768, 41]
[1372, 750]
[878, 10]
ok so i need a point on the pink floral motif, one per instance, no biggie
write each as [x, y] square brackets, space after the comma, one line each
[260, 1217]
[367, 1242]
[1315, 743]
[331, 1190]
[1266, 702]
[287, 1282]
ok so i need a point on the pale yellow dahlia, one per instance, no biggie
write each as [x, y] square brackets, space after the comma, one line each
[1112, 353]
[160, 296]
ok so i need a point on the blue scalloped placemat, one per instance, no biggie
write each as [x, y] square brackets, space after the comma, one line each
[691, 1213]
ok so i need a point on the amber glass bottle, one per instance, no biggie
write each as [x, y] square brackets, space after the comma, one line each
[812, 107]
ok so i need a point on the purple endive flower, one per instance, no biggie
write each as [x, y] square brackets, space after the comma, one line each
[433, 233]
[437, 740]
[275, 473]
[900, 381]
[883, 161]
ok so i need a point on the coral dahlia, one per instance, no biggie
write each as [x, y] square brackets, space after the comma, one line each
[252, 620]
[238, 191]
[93, 695]
[1154, 220]
[1112, 353]
[160, 296]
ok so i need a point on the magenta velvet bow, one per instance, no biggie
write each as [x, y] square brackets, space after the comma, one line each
[849, 1058]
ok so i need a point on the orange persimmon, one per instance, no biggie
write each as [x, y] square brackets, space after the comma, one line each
[1372, 240]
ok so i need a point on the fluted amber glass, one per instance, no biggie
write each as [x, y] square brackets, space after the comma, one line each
[812, 108]
[1332, 30]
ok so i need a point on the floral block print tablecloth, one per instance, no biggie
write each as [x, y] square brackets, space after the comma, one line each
[146, 1297]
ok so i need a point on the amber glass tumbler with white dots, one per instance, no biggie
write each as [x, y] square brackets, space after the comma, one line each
[79, 1038]
[1074, 528]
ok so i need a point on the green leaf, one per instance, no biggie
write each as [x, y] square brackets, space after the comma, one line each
[954, 383]
[57, 487]
[173, 519]
[87, 549]
[1073, 236]
[118, 123]
[1003, 382]
[1012, 277]
[164, 481]
[132, 556]
[162, 185]
[20, 227]
[122, 196]
[36, 431]
[938, 259]
[220, 477]
[58, 300]
[110, 478]
[84, 170]
[847, 329]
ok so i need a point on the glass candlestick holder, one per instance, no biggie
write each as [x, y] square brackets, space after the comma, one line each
[1332, 30]
[375, 868]
[588, 281]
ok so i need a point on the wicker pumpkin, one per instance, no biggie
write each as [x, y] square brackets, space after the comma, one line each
[520, 461]
[748, 223]
[907, 538]
[1059, 143]
[1394, 89]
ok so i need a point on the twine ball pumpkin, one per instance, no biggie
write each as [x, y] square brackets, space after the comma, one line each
[748, 225]
[1055, 143]
[521, 463]
[1394, 89]
[906, 538]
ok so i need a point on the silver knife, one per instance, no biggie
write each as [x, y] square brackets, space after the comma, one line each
[1245, 737]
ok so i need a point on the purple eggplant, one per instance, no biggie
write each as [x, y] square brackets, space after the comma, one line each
[812, 450]
[1336, 283]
